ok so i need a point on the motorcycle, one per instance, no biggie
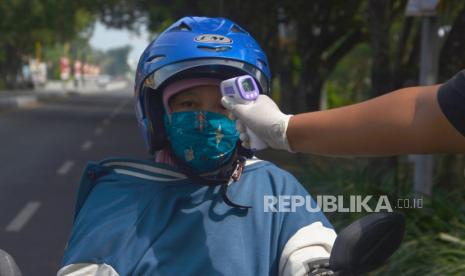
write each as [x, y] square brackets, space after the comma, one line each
[361, 247]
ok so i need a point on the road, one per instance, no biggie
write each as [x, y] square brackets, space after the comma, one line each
[43, 150]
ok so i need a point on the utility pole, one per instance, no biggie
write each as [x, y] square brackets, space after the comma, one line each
[426, 9]
[424, 164]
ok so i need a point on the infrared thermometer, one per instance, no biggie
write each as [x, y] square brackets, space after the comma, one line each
[244, 90]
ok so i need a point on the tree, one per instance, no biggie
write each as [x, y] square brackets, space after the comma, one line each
[452, 55]
[326, 32]
[27, 23]
[115, 61]
[395, 41]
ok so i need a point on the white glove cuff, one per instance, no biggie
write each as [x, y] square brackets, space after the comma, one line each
[285, 141]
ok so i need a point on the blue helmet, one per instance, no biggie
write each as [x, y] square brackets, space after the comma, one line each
[193, 47]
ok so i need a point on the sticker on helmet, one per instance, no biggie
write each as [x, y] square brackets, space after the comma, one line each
[213, 38]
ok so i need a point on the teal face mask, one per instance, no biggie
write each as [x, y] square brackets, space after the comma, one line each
[203, 140]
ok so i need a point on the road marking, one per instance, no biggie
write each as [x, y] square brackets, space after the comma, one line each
[66, 167]
[23, 217]
[118, 109]
[123, 104]
[98, 131]
[87, 145]
[113, 114]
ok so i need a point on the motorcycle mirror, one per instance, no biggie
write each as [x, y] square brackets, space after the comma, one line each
[8, 266]
[366, 243]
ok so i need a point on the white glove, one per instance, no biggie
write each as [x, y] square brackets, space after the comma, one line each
[264, 118]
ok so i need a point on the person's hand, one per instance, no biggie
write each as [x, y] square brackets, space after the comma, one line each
[264, 118]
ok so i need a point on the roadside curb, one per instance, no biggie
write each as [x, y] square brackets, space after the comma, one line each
[19, 101]
[29, 98]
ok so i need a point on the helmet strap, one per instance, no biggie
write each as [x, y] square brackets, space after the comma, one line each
[224, 176]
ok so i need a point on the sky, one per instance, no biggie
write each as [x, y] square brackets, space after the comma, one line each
[106, 38]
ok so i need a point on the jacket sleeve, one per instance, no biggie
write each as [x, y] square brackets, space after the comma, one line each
[312, 242]
[87, 269]
[307, 235]
[451, 99]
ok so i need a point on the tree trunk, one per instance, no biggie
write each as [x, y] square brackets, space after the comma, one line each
[379, 21]
[401, 61]
[11, 66]
[313, 93]
[309, 89]
[287, 87]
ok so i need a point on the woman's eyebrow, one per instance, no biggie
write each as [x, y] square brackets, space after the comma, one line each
[185, 95]
[181, 97]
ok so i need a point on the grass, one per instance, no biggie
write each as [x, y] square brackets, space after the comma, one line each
[434, 242]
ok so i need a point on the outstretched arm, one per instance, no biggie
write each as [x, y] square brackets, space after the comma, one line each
[405, 121]
[424, 119]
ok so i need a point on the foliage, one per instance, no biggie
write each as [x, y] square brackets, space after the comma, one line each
[27, 23]
[435, 241]
[349, 82]
[115, 61]
[320, 34]
[326, 31]
[452, 56]
[395, 43]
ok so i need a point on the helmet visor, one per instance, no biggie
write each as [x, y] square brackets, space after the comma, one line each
[221, 68]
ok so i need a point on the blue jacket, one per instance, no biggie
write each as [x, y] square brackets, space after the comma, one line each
[137, 217]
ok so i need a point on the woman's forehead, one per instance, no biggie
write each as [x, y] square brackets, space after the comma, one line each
[204, 90]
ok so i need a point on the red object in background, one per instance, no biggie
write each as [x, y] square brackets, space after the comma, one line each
[86, 69]
[65, 69]
[77, 69]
